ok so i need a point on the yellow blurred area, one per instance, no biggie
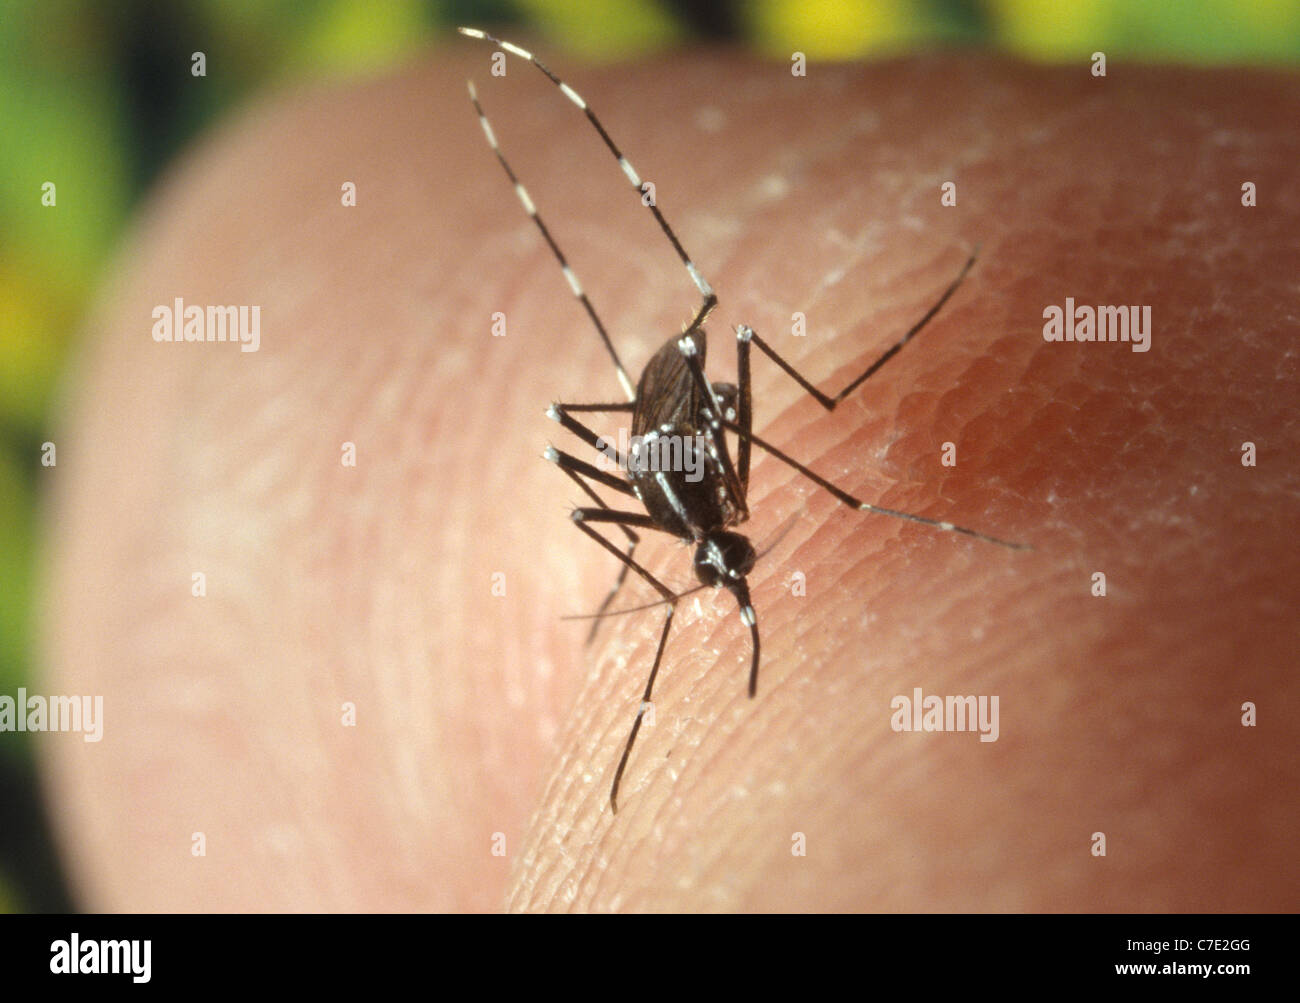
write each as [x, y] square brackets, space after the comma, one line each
[354, 36]
[1203, 31]
[1051, 29]
[64, 178]
[37, 316]
[608, 31]
[17, 519]
[833, 29]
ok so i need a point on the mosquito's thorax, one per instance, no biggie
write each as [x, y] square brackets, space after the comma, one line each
[689, 490]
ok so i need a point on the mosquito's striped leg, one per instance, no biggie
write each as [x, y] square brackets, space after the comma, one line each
[573, 466]
[603, 408]
[581, 517]
[640, 712]
[560, 413]
[829, 403]
[640, 520]
[690, 354]
[576, 470]
[859, 504]
[624, 520]
[744, 405]
[569, 275]
[706, 290]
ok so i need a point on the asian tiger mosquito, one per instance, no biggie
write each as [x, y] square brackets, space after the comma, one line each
[674, 398]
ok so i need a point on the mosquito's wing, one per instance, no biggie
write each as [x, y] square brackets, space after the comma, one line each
[666, 394]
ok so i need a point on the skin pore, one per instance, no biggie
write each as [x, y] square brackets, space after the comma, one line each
[481, 721]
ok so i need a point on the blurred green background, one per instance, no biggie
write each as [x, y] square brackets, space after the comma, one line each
[99, 97]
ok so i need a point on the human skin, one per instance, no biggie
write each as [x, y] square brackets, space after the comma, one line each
[481, 714]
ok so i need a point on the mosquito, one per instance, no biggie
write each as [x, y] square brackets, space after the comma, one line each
[674, 401]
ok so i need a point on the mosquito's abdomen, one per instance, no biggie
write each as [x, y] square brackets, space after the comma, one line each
[679, 481]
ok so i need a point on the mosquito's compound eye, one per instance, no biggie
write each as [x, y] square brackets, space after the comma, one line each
[723, 558]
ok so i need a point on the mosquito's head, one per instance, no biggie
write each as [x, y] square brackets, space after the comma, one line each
[723, 558]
